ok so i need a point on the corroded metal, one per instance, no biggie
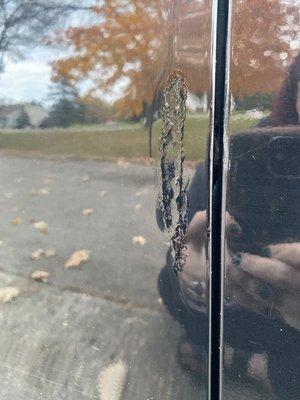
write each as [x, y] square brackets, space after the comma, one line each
[173, 196]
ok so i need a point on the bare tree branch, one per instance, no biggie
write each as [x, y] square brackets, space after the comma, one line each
[25, 22]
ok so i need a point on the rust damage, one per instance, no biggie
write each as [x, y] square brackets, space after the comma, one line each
[173, 201]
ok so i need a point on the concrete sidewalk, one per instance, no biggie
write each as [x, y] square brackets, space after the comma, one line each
[58, 337]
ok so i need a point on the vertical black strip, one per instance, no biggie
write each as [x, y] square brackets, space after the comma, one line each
[219, 113]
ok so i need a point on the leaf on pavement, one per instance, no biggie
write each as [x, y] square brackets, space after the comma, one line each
[50, 253]
[123, 163]
[43, 191]
[40, 276]
[16, 221]
[112, 381]
[41, 226]
[102, 193]
[36, 255]
[85, 178]
[88, 211]
[139, 240]
[77, 258]
[8, 293]
[160, 301]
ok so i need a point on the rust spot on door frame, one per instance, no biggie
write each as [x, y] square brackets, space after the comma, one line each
[173, 196]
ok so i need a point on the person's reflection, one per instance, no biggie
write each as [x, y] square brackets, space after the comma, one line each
[286, 107]
[267, 284]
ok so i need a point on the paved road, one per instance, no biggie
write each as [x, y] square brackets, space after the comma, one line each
[57, 337]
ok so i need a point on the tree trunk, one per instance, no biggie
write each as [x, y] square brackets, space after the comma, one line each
[149, 124]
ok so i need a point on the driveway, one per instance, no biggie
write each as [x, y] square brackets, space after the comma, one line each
[99, 329]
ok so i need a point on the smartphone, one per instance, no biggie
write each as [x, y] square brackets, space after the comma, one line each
[264, 187]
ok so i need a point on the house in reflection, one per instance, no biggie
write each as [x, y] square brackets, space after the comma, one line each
[197, 102]
[22, 115]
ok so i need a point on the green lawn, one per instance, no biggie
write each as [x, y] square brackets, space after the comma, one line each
[106, 143]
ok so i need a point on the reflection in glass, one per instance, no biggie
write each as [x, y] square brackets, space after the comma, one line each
[81, 93]
[262, 224]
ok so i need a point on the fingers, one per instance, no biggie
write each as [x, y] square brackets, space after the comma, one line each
[195, 268]
[231, 226]
[272, 271]
[192, 280]
[197, 229]
[196, 232]
[248, 291]
[288, 253]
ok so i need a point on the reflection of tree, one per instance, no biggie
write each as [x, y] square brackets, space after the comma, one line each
[138, 42]
[131, 44]
[23, 120]
[126, 45]
[64, 109]
[261, 36]
[23, 22]
[70, 108]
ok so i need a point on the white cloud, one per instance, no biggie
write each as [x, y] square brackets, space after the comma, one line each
[26, 81]
[29, 79]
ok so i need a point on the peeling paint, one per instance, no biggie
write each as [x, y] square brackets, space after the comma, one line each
[173, 199]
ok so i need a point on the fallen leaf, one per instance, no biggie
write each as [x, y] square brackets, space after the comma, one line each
[138, 194]
[50, 253]
[8, 195]
[77, 258]
[33, 192]
[8, 293]
[88, 211]
[85, 178]
[139, 240]
[111, 381]
[102, 193]
[40, 276]
[16, 221]
[36, 255]
[41, 226]
[138, 207]
[43, 191]
[123, 163]
[160, 301]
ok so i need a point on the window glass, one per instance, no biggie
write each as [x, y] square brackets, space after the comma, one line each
[92, 304]
[261, 326]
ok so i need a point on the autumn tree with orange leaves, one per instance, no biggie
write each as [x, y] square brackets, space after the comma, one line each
[126, 46]
[262, 33]
[136, 43]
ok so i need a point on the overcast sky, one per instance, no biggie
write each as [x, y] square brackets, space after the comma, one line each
[30, 79]
[27, 80]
